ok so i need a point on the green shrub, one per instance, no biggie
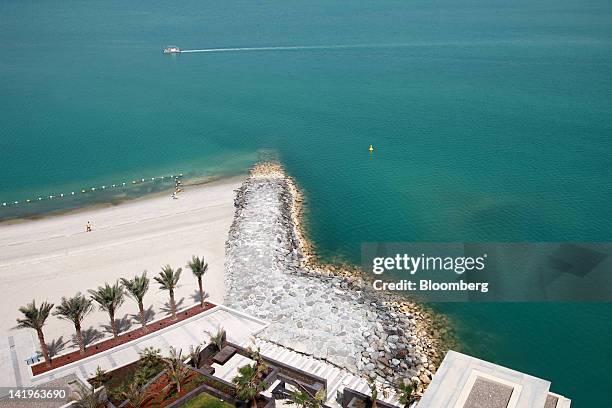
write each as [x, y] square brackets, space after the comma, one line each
[149, 365]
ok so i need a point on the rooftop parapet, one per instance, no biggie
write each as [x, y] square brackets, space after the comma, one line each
[468, 382]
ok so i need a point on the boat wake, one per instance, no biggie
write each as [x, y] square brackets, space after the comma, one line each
[296, 48]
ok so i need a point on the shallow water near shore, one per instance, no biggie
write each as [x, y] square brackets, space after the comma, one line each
[490, 122]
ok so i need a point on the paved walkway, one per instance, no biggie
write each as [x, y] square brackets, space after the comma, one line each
[15, 348]
[239, 327]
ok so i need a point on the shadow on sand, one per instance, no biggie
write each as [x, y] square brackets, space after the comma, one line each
[56, 346]
[166, 307]
[90, 335]
[149, 316]
[123, 324]
[196, 296]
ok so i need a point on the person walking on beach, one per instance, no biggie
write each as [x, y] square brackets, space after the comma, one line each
[88, 227]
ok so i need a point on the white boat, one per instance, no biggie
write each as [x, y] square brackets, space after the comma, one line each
[172, 49]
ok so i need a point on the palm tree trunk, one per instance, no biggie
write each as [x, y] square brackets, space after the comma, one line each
[113, 324]
[172, 305]
[254, 402]
[143, 319]
[43, 348]
[201, 292]
[79, 337]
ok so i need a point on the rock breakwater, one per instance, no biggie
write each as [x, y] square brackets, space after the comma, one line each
[328, 311]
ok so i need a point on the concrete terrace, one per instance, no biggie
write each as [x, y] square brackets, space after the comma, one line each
[189, 332]
[241, 329]
[466, 382]
[461, 381]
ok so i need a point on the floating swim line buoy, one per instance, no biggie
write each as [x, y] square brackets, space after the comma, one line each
[89, 190]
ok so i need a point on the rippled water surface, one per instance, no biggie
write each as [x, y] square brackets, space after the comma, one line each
[490, 122]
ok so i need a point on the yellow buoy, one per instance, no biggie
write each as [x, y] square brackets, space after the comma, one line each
[371, 149]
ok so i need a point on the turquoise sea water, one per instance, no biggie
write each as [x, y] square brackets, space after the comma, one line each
[491, 122]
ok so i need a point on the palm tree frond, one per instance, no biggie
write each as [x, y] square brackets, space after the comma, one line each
[176, 371]
[248, 384]
[88, 397]
[137, 287]
[34, 317]
[109, 298]
[74, 309]
[168, 278]
[198, 266]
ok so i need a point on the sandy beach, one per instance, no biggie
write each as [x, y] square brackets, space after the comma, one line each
[53, 257]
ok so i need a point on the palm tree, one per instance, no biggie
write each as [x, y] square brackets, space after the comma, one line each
[255, 355]
[176, 371]
[74, 310]
[168, 279]
[218, 339]
[199, 268]
[303, 399]
[109, 299]
[407, 392]
[34, 318]
[195, 356]
[248, 384]
[136, 288]
[135, 396]
[89, 397]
